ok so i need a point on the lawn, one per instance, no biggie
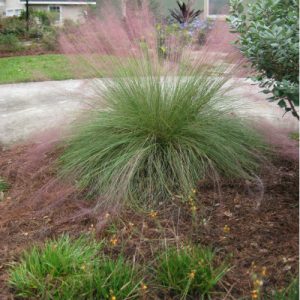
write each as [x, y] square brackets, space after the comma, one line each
[35, 68]
[40, 68]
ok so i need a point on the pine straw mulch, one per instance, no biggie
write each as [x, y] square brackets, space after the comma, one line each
[261, 220]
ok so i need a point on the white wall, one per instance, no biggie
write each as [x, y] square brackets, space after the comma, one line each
[13, 7]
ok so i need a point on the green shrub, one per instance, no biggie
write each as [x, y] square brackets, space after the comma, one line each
[13, 25]
[50, 40]
[46, 18]
[72, 269]
[269, 38]
[35, 32]
[158, 137]
[9, 43]
[183, 35]
[189, 272]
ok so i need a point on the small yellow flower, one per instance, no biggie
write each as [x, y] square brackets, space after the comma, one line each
[258, 283]
[254, 294]
[114, 241]
[193, 208]
[113, 298]
[194, 191]
[83, 267]
[153, 214]
[226, 229]
[144, 287]
[192, 274]
[264, 271]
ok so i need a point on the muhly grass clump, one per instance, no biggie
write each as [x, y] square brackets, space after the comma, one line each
[190, 272]
[157, 126]
[73, 269]
[158, 136]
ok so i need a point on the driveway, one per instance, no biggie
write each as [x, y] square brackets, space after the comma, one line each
[27, 109]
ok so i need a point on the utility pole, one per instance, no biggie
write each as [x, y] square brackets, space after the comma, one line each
[27, 15]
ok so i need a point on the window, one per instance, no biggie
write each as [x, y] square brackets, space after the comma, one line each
[18, 12]
[218, 7]
[57, 11]
[9, 12]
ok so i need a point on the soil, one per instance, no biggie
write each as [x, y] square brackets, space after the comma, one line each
[253, 225]
[38, 50]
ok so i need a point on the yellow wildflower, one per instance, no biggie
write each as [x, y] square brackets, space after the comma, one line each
[264, 271]
[113, 298]
[114, 241]
[226, 229]
[153, 214]
[193, 208]
[258, 283]
[144, 287]
[254, 294]
[192, 274]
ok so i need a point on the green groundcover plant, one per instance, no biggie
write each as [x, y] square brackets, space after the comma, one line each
[269, 38]
[68, 269]
[189, 272]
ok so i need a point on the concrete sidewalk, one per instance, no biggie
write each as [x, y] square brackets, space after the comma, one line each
[27, 109]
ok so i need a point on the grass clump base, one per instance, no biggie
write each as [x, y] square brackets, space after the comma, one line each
[190, 272]
[72, 269]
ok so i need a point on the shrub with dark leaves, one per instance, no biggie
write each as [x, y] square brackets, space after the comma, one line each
[269, 38]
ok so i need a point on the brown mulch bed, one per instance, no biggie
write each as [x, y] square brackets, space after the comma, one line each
[30, 51]
[261, 218]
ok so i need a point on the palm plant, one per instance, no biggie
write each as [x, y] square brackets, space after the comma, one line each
[185, 14]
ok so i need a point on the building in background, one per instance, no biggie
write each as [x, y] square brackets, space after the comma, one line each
[64, 9]
[74, 9]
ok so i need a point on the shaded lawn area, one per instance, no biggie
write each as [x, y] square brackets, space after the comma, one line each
[40, 68]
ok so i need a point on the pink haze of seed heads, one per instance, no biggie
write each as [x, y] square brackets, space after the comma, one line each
[108, 41]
